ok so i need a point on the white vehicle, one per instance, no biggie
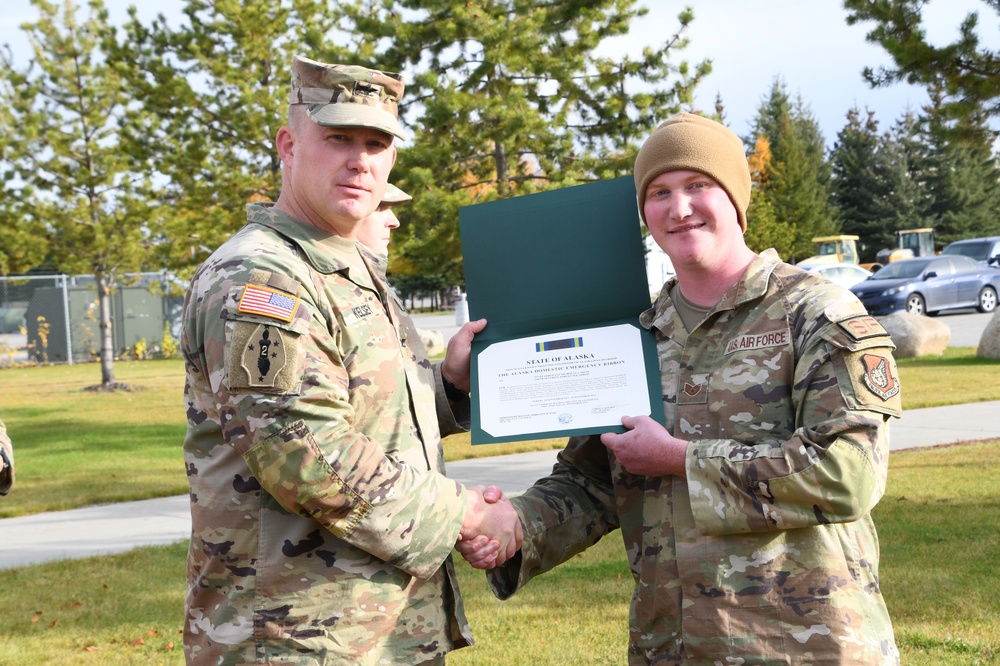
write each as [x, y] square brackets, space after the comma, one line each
[846, 275]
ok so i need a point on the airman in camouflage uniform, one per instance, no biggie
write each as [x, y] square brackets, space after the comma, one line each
[6, 461]
[322, 522]
[747, 520]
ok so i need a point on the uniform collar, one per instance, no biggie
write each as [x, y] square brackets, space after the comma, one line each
[326, 252]
[752, 286]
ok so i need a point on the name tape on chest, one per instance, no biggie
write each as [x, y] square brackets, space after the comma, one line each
[357, 313]
[752, 341]
[268, 303]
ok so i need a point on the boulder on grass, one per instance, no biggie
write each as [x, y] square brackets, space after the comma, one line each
[916, 335]
[433, 341]
[989, 344]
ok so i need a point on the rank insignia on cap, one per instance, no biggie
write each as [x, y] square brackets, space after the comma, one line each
[268, 302]
[878, 377]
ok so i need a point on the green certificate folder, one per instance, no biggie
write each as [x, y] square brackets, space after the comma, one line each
[560, 276]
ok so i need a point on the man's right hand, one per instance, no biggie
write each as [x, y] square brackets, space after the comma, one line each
[491, 532]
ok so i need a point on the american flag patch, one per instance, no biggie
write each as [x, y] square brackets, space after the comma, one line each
[267, 302]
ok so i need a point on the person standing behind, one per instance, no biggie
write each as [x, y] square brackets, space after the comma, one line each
[374, 230]
[747, 519]
[6, 461]
[322, 521]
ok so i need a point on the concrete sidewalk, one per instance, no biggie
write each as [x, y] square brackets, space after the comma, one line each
[114, 528]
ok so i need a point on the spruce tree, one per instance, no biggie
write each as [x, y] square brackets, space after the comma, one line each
[798, 174]
[857, 183]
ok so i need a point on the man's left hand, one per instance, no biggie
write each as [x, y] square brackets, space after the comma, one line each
[455, 367]
[647, 449]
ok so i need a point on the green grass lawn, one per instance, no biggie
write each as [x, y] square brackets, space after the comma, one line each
[939, 525]
[76, 448]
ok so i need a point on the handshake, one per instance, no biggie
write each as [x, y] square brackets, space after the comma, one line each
[491, 532]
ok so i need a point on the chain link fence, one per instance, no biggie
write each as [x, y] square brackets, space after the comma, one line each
[55, 318]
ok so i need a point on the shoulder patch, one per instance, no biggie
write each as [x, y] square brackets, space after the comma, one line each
[268, 302]
[862, 327]
[878, 376]
[262, 357]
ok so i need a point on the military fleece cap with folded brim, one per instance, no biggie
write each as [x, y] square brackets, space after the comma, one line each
[394, 196]
[347, 95]
[687, 142]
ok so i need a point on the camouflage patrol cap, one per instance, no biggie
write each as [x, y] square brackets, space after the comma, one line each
[347, 95]
[394, 196]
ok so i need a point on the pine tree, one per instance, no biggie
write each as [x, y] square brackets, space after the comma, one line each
[962, 178]
[857, 183]
[798, 174]
[68, 161]
[763, 228]
[215, 92]
[901, 170]
[507, 98]
[967, 73]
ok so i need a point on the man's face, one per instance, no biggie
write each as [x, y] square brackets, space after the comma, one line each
[374, 230]
[334, 176]
[692, 219]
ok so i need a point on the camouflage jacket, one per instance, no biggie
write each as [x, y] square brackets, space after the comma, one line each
[6, 461]
[766, 552]
[322, 522]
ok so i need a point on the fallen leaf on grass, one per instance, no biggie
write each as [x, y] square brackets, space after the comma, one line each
[137, 642]
[90, 648]
[169, 646]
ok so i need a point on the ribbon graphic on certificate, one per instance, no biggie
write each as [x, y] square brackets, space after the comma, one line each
[560, 277]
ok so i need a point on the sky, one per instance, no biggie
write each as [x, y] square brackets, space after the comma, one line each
[807, 43]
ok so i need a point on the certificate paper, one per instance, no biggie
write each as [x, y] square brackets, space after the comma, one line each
[584, 378]
[560, 277]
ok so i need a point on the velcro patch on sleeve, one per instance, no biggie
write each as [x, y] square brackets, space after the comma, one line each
[263, 357]
[267, 302]
[875, 379]
[861, 327]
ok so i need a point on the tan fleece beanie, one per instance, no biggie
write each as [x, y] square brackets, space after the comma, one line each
[690, 142]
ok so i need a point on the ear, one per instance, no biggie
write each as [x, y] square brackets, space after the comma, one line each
[285, 143]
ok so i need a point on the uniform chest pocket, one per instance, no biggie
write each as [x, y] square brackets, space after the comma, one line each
[743, 395]
[365, 324]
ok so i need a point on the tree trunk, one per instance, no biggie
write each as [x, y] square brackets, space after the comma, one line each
[500, 158]
[107, 342]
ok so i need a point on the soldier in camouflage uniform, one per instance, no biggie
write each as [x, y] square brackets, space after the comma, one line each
[322, 522]
[746, 520]
[6, 461]
[374, 230]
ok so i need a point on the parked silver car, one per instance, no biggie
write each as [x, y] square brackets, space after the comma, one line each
[984, 250]
[846, 275]
[927, 285]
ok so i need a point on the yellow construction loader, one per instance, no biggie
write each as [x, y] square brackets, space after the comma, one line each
[843, 249]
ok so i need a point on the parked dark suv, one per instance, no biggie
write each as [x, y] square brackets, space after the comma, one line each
[984, 250]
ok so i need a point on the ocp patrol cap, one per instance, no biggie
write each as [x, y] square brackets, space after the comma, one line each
[394, 196]
[347, 95]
